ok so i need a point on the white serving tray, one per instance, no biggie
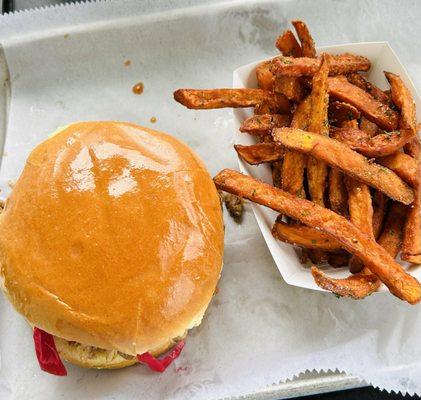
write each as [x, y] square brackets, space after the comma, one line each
[170, 47]
[383, 58]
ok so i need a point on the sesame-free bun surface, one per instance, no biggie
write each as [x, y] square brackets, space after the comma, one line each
[112, 237]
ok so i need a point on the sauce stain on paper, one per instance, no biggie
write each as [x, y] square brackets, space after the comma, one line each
[138, 88]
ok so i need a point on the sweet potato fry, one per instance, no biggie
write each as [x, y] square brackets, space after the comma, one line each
[305, 66]
[293, 90]
[413, 147]
[338, 197]
[340, 112]
[380, 145]
[338, 155]
[277, 103]
[360, 214]
[307, 42]
[411, 249]
[291, 87]
[304, 236]
[403, 165]
[368, 127]
[402, 97]
[287, 44]
[356, 286]
[385, 143]
[352, 239]
[411, 246]
[379, 203]
[360, 205]
[394, 223]
[292, 179]
[372, 109]
[391, 236]
[361, 285]
[316, 169]
[264, 77]
[260, 153]
[261, 125]
[301, 114]
[277, 173]
[236, 98]
[373, 90]
[295, 162]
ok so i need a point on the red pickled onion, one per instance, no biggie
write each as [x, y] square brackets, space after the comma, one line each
[161, 364]
[47, 354]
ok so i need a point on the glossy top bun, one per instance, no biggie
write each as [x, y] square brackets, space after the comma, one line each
[112, 237]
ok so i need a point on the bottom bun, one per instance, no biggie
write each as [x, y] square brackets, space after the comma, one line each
[94, 357]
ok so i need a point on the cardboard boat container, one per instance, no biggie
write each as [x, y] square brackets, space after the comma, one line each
[383, 58]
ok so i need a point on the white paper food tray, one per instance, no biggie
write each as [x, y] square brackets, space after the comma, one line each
[383, 58]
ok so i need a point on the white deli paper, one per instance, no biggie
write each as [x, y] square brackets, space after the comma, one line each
[70, 63]
[383, 58]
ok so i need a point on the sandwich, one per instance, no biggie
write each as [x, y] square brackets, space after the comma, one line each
[111, 246]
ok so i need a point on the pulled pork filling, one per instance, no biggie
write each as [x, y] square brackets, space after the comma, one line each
[91, 356]
[92, 351]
